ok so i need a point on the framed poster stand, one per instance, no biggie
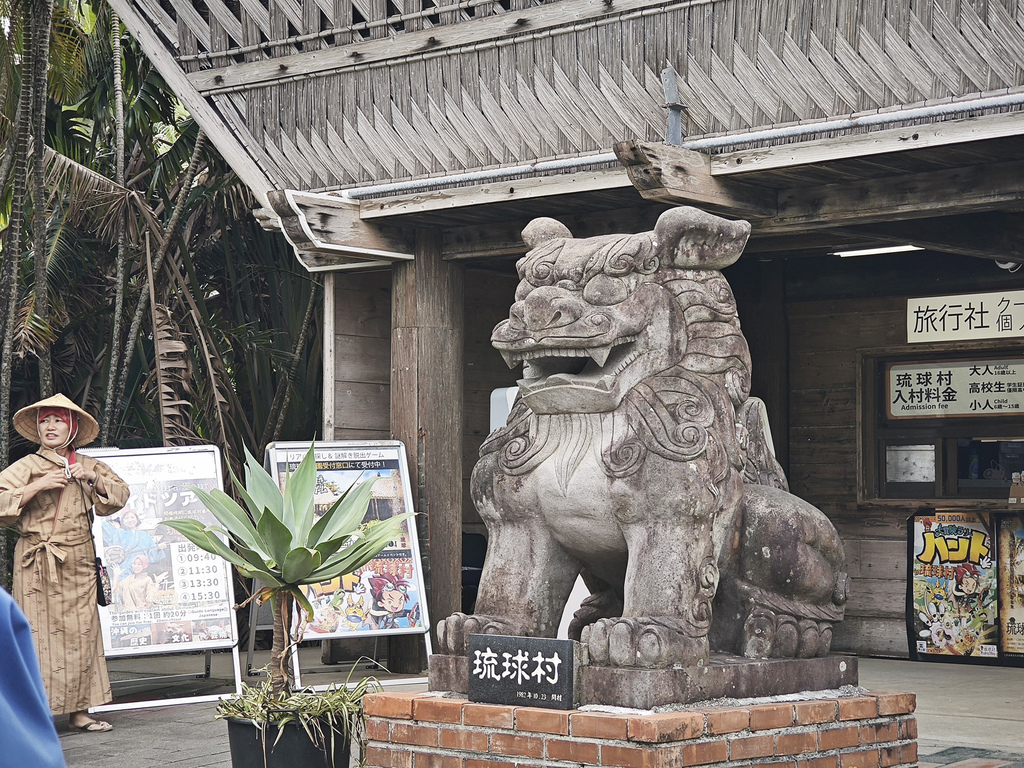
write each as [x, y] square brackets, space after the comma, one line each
[386, 596]
[170, 597]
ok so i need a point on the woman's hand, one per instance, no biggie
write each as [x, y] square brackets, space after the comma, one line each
[55, 478]
[81, 473]
[52, 480]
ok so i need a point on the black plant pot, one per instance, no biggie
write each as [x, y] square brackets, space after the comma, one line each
[252, 749]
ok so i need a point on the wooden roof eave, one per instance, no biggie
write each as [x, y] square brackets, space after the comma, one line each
[327, 233]
[786, 191]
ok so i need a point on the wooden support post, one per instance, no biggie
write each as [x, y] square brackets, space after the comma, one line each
[426, 414]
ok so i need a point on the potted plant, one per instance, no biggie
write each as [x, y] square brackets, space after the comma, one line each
[281, 543]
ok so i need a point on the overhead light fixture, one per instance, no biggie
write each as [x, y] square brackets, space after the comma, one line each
[878, 251]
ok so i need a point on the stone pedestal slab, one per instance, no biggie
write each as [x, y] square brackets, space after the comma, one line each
[724, 677]
[867, 730]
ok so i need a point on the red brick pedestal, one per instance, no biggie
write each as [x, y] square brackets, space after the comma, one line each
[425, 730]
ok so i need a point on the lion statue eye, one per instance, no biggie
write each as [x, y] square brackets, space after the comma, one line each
[602, 291]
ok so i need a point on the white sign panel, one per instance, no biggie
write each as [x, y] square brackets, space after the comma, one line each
[965, 317]
[169, 595]
[956, 388]
[386, 595]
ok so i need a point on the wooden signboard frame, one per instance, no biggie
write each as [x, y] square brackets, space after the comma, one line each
[169, 596]
[388, 595]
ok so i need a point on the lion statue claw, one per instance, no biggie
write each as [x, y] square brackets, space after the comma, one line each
[635, 457]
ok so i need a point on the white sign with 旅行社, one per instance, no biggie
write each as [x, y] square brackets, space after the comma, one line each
[964, 317]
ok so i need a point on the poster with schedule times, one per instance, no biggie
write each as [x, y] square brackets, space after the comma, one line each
[385, 596]
[169, 595]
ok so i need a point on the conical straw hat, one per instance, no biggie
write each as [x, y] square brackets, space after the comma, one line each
[26, 423]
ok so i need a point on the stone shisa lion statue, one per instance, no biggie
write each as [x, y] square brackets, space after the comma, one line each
[635, 456]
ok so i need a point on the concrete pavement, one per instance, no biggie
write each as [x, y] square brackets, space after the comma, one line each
[968, 717]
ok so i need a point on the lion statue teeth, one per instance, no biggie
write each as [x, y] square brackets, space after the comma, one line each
[635, 456]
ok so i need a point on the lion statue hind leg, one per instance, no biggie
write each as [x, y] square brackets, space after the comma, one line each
[788, 585]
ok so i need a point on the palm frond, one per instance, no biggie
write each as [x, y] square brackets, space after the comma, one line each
[91, 195]
[67, 71]
[171, 378]
[33, 334]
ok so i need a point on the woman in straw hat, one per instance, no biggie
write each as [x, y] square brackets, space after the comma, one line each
[48, 496]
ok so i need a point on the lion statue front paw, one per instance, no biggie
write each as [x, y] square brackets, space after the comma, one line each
[453, 633]
[645, 642]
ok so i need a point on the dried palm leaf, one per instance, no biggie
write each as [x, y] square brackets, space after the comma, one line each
[92, 196]
[172, 377]
[33, 334]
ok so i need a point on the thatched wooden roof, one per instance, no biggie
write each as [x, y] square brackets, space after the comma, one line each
[316, 96]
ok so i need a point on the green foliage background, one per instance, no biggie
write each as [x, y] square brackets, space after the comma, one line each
[238, 316]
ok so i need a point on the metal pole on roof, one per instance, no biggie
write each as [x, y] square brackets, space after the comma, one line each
[674, 130]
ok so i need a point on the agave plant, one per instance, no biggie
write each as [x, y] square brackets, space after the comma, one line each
[280, 542]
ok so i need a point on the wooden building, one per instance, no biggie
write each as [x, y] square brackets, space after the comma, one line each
[402, 145]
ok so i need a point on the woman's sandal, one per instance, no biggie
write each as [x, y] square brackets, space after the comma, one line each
[93, 726]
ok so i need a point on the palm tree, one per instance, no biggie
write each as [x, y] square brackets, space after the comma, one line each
[231, 336]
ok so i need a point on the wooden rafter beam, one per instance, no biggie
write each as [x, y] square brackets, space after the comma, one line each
[678, 176]
[880, 142]
[955, 191]
[507, 191]
[928, 209]
[993, 235]
[328, 234]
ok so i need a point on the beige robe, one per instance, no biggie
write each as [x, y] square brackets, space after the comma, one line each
[55, 575]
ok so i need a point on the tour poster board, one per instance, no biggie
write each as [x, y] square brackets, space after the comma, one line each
[965, 596]
[169, 595]
[386, 596]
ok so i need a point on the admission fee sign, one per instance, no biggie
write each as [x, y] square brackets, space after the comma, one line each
[169, 595]
[926, 389]
[386, 596]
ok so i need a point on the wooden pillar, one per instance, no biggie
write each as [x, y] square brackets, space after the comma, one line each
[426, 414]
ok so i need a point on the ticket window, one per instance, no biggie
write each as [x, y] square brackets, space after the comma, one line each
[987, 463]
[949, 467]
[947, 428]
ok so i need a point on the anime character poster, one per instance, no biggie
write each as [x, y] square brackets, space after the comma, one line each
[169, 595]
[386, 595]
[1011, 584]
[953, 611]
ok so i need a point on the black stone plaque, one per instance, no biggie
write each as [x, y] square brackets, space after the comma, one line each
[528, 671]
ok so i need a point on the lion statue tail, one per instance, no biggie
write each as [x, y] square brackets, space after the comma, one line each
[762, 468]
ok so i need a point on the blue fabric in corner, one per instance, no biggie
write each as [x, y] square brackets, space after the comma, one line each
[27, 734]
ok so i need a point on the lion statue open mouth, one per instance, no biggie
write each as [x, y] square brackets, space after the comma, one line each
[635, 456]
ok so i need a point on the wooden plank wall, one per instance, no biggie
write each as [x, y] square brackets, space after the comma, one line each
[363, 361]
[824, 457]
[362, 356]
